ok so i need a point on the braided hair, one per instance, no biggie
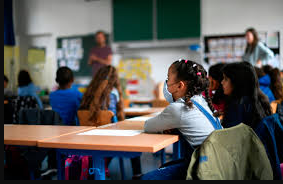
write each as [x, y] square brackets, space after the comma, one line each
[196, 77]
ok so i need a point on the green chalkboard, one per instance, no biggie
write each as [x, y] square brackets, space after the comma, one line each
[73, 51]
[178, 19]
[132, 20]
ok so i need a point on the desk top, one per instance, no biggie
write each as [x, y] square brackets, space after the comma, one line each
[28, 135]
[139, 143]
[142, 111]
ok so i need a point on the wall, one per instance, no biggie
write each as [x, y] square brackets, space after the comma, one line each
[39, 18]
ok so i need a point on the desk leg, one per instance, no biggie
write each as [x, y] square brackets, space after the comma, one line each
[177, 150]
[59, 171]
[163, 156]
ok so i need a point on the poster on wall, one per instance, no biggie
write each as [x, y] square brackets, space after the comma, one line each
[70, 54]
[137, 72]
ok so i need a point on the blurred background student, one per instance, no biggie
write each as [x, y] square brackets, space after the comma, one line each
[276, 84]
[256, 52]
[216, 92]
[264, 83]
[7, 91]
[27, 88]
[66, 100]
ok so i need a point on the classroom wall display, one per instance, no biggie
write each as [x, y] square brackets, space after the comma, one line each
[137, 73]
[36, 55]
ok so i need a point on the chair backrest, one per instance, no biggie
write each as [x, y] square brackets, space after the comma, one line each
[230, 154]
[104, 117]
[39, 117]
[159, 103]
[22, 102]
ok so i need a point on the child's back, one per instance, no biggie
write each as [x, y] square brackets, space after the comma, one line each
[66, 102]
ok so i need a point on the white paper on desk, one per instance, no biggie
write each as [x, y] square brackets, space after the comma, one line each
[135, 109]
[156, 113]
[138, 119]
[107, 132]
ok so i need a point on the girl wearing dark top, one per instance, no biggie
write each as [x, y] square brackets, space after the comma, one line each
[245, 103]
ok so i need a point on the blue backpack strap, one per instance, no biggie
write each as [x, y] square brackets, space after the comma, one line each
[214, 121]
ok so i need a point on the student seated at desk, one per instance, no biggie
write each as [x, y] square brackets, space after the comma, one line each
[189, 112]
[66, 100]
[104, 93]
[27, 88]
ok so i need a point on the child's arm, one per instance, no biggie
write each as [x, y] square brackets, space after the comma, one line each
[168, 119]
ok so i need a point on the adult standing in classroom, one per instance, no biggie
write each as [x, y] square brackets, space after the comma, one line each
[101, 54]
[256, 52]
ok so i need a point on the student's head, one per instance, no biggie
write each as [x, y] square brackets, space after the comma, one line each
[215, 77]
[251, 36]
[100, 38]
[240, 80]
[187, 78]
[252, 39]
[64, 77]
[276, 82]
[97, 94]
[24, 78]
[5, 82]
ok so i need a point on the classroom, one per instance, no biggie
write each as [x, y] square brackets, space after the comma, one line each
[143, 90]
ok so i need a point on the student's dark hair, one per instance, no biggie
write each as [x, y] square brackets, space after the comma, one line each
[196, 77]
[259, 71]
[215, 72]
[24, 78]
[245, 84]
[64, 75]
[98, 91]
[6, 79]
[250, 47]
[275, 85]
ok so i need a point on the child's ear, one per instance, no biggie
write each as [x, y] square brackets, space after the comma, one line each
[182, 85]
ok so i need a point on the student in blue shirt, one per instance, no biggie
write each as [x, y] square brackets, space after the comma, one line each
[66, 100]
[27, 88]
[264, 83]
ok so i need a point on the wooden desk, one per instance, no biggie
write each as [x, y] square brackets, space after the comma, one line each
[100, 147]
[141, 111]
[28, 135]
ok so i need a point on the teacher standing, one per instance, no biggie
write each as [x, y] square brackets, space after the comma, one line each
[256, 52]
[101, 54]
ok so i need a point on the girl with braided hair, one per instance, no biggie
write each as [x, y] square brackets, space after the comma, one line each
[188, 112]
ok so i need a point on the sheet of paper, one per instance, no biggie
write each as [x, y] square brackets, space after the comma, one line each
[133, 109]
[107, 125]
[107, 132]
[138, 119]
